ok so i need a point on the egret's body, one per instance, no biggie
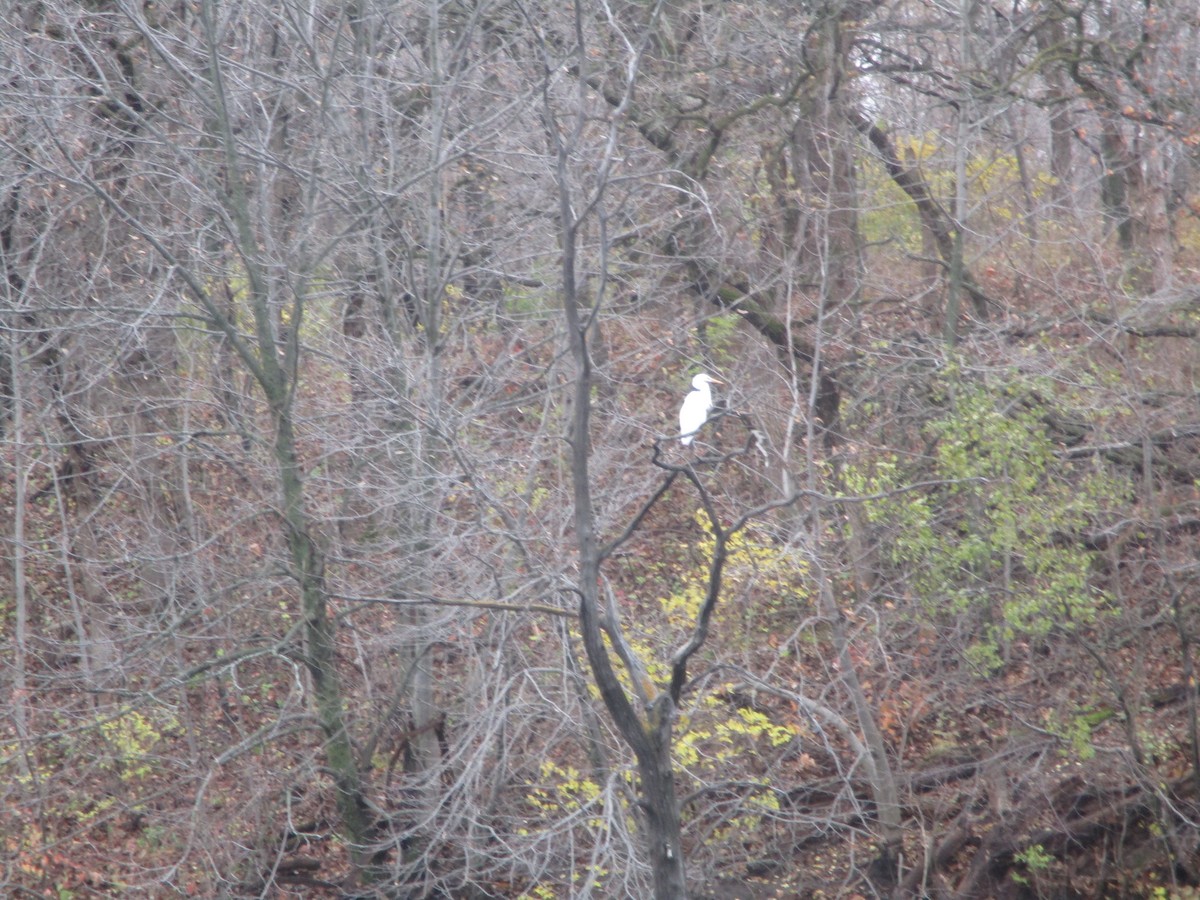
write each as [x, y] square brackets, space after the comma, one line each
[696, 407]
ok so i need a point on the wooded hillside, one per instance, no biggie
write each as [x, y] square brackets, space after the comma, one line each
[349, 548]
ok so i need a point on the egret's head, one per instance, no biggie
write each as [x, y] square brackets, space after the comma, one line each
[701, 380]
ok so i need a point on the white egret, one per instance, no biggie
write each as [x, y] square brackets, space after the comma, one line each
[696, 405]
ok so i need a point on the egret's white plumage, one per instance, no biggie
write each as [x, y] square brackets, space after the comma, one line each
[696, 406]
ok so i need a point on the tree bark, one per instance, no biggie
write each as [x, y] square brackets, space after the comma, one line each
[650, 742]
[307, 559]
[936, 221]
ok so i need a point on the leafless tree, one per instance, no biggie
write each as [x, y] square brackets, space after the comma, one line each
[341, 350]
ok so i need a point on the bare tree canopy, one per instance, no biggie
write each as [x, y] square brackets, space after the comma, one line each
[350, 548]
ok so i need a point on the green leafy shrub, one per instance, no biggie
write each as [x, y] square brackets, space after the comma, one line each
[129, 740]
[996, 530]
